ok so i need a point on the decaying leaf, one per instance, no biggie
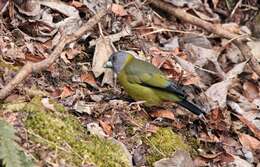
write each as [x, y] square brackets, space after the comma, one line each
[106, 127]
[88, 78]
[251, 90]
[118, 10]
[255, 49]
[249, 142]
[102, 53]
[67, 91]
[163, 114]
[83, 107]
[218, 92]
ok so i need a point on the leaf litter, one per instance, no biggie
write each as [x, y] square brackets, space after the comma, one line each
[209, 67]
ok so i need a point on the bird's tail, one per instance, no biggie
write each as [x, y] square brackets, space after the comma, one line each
[191, 107]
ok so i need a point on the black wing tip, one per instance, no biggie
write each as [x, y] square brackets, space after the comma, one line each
[175, 89]
[191, 107]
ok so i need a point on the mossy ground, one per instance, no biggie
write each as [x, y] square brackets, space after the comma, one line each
[62, 133]
[163, 144]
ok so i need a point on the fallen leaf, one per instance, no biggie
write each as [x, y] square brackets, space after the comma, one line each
[250, 125]
[236, 70]
[249, 142]
[106, 127]
[118, 10]
[238, 162]
[255, 49]
[102, 53]
[77, 4]
[163, 114]
[66, 91]
[88, 78]
[33, 58]
[251, 90]
[82, 107]
[219, 96]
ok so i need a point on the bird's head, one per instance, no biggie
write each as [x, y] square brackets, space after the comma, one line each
[118, 60]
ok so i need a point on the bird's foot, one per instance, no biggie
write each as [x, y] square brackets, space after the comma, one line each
[202, 117]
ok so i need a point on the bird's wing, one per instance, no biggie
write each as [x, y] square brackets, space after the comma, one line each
[148, 75]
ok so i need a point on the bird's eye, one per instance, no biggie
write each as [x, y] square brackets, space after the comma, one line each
[113, 59]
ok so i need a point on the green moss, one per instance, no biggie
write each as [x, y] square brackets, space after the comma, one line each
[57, 106]
[64, 135]
[8, 66]
[163, 144]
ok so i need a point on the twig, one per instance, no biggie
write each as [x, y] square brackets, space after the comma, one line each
[214, 28]
[235, 8]
[30, 67]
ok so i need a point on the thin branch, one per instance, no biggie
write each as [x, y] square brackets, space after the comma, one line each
[213, 28]
[30, 67]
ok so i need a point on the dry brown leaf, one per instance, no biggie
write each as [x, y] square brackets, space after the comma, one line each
[249, 142]
[255, 49]
[72, 52]
[118, 10]
[250, 125]
[33, 58]
[102, 53]
[63, 8]
[238, 162]
[106, 127]
[239, 68]
[251, 90]
[215, 3]
[218, 92]
[76, 4]
[66, 92]
[163, 114]
[200, 161]
[88, 77]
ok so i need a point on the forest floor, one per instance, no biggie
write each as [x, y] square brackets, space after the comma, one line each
[61, 107]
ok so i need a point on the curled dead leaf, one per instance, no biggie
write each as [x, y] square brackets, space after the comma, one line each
[163, 114]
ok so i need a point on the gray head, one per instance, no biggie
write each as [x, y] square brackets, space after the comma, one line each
[118, 60]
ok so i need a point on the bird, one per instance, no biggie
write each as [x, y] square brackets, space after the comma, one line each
[144, 82]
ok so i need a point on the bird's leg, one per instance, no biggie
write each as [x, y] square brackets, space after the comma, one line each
[180, 78]
[202, 118]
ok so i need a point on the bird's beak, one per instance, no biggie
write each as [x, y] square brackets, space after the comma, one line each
[108, 64]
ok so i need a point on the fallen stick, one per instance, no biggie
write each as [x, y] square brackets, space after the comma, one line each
[30, 67]
[213, 28]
